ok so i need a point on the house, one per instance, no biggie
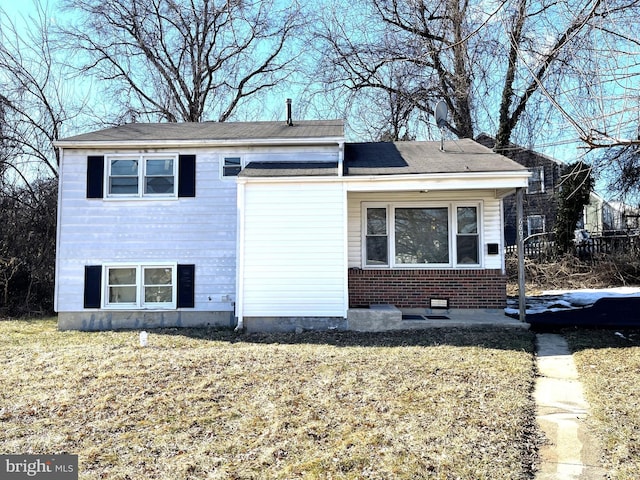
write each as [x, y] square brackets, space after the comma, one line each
[273, 226]
[609, 218]
[540, 204]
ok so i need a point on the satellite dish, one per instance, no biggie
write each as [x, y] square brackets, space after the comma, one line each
[440, 113]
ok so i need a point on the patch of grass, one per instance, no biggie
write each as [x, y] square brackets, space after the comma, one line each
[198, 404]
[609, 366]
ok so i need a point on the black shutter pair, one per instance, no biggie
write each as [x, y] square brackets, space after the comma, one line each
[93, 286]
[186, 176]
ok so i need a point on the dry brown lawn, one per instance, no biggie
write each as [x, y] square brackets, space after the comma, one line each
[609, 366]
[202, 404]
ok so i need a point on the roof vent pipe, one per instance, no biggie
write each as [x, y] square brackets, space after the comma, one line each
[289, 118]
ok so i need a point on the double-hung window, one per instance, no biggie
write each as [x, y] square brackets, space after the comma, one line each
[140, 286]
[536, 224]
[421, 235]
[141, 176]
[377, 238]
[467, 236]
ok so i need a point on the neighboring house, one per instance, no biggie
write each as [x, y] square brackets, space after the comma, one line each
[601, 217]
[540, 206]
[597, 215]
[269, 226]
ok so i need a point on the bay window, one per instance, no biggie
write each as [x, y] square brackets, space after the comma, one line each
[421, 235]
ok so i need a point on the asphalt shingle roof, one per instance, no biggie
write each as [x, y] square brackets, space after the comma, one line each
[212, 131]
[398, 158]
[289, 169]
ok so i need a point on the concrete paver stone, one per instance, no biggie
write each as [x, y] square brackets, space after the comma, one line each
[571, 452]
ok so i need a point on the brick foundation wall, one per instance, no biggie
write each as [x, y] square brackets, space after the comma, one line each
[415, 288]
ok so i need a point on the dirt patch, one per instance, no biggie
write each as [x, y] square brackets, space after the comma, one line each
[570, 272]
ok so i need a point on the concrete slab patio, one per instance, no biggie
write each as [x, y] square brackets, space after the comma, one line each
[571, 453]
[379, 318]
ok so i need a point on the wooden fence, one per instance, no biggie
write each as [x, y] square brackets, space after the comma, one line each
[596, 246]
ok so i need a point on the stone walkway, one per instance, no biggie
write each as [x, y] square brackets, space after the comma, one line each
[571, 452]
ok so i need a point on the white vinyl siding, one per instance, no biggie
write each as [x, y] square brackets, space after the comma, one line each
[199, 231]
[294, 250]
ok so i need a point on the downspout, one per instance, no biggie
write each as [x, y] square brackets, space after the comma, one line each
[240, 257]
[522, 305]
[341, 159]
[58, 230]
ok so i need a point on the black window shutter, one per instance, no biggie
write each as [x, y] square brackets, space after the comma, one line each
[187, 176]
[95, 177]
[186, 286]
[92, 286]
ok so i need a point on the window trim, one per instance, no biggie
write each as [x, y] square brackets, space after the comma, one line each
[536, 216]
[540, 184]
[140, 303]
[223, 158]
[452, 232]
[141, 158]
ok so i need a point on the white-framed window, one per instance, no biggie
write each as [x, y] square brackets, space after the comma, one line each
[230, 166]
[536, 224]
[152, 286]
[536, 180]
[137, 176]
[438, 235]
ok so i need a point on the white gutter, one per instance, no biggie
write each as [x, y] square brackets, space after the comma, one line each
[341, 159]
[429, 181]
[240, 258]
[58, 230]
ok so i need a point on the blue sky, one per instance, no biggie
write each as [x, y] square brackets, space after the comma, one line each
[561, 150]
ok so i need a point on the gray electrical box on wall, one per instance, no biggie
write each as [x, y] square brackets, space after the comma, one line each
[492, 249]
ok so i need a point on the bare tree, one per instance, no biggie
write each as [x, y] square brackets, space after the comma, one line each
[183, 60]
[33, 100]
[490, 62]
[34, 106]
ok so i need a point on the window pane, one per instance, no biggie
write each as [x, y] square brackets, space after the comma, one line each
[158, 294]
[377, 250]
[536, 224]
[536, 180]
[376, 221]
[422, 235]
[157, 285]
[231, 166]
[157, 276]
[122, 276]
[467, 220]
[124, 167]
[467, 249]
[158, 185]
[123, 185]
[160, 167]
[122, 294]
[122, 285]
